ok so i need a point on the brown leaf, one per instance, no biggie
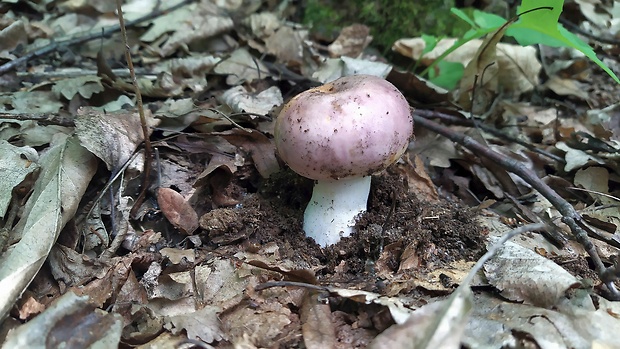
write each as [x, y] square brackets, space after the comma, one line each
[481, 75]
[351, 41]
[417, 88]
[177, 210]
[317, 326]
[112, 137]
[287, 45]
[259, 146]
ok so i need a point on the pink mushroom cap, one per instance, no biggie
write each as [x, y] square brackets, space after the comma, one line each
[353, 126]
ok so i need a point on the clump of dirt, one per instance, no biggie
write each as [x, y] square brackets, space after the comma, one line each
[441, 232]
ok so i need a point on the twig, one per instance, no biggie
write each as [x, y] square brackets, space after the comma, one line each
[270, 284]
[148, 149]
[41, 119]
[74, 73]
[605, 40]
[569, 215]
[230, 120]
[499, 243]
[595, 192]
[454, 120]
[105, 33]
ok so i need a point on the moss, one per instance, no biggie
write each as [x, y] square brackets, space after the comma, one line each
[389, 20]
[323, 16]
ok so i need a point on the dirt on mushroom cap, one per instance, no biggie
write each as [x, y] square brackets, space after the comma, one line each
[353, 126]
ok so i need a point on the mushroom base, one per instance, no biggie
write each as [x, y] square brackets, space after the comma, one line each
[332, 210]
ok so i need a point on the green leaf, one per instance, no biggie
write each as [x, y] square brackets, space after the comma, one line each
[462, 15]
[429, 43]
[446, 74]
[542, 27]
[469, 35]
[488, 20]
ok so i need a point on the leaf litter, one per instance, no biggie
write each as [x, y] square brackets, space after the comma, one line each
[216, 253]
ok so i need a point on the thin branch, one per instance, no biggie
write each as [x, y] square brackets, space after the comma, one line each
[497, 245]
[454, 120]
[230, 120]
[148, 149]
[73, 41]
[41, 119]
[569, 215]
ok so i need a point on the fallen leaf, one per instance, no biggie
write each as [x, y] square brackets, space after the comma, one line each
[525, 276]
[15, 164]
[66, 170]
[69, 322]
[177, 210]
[566, 87]
[351, 42]
[241, 67]
[240, 100]
[113, 137]
[85, 86]
[316, 324]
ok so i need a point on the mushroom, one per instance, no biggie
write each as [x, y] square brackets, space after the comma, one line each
[339, 134]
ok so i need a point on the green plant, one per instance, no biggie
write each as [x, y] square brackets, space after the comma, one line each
[537, 23]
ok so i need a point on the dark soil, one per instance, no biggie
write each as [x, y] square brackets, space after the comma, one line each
[438, 232]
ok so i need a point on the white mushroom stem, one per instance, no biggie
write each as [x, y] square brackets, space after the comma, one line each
[333, 208]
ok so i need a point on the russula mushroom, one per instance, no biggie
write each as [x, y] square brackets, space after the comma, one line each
[339, 134]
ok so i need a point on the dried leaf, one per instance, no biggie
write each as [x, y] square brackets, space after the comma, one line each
[15, 164]
[287, 45]
[203, 23]
[241, 67]
[316, 323]
[85, 85]
[523, 275]
[240, 100]
[567, 87]
[203, 324]
[70, 322]
[177, 210]
[263, 24]
[11, 37]
[113, 137]
[66, 171]
[351, 42]
[34, 102]
[260, 148]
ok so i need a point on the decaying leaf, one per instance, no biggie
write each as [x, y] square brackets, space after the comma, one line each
[15, 164]
[12, 36]
[177, 210]
[566, 87]
[287, 45]
[523, 275]
[71, 321]
[66, 170]
[351, 42]
[241, 67]
[263, 24]
[240, 100]
[85, 86]
[203, 324]
[317, 326]
[260, 148]
[113, 137]
[206, 22]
